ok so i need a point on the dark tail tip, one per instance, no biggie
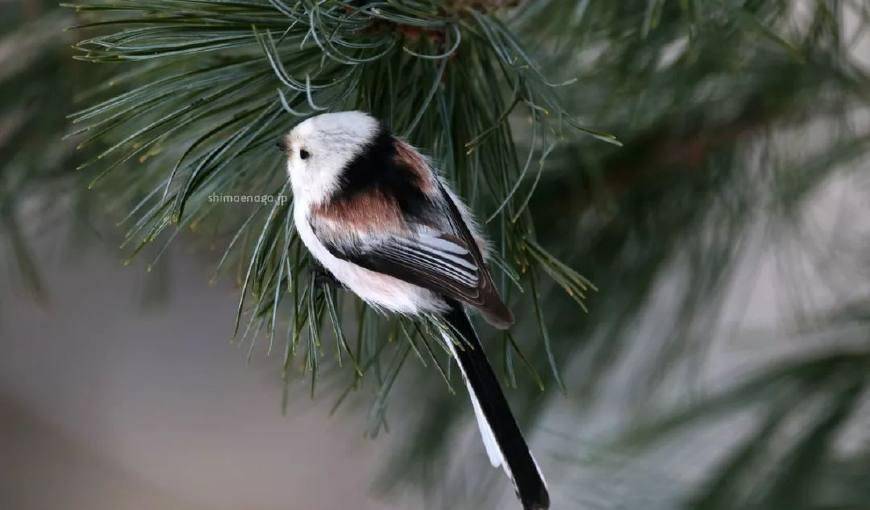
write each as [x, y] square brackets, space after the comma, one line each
[533, 493]
[541, 502]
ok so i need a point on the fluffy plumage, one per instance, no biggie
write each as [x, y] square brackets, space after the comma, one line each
[372, 211]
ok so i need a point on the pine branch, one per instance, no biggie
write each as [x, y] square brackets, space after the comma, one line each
[701, 93]
[210, 85]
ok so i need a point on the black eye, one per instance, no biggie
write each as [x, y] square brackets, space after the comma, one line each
[304, 154]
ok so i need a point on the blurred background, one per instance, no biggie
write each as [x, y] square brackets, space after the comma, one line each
[723, 362]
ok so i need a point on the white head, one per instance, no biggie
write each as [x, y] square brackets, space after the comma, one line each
[319, 148]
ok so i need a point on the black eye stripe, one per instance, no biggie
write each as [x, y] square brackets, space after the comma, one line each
[304, 154]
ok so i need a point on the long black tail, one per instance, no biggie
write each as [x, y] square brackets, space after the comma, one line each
[497, 423]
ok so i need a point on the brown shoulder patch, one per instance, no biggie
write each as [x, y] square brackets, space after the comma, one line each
[369, 212]
[411, 159]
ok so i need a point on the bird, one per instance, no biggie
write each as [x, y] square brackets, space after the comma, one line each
[382, 221]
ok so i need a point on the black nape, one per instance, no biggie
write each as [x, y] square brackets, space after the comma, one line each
[376, 168]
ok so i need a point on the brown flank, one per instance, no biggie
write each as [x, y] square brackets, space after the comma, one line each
[372, 212]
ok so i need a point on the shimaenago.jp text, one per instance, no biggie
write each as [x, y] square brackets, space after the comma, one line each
[216, 198]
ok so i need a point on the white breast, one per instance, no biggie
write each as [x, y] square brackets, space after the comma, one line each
[379, 290]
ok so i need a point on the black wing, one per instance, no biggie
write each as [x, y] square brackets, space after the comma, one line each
[444, 259]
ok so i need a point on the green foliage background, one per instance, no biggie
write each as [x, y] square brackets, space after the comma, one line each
[731, 117]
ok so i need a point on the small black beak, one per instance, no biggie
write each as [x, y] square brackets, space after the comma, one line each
[280, 145]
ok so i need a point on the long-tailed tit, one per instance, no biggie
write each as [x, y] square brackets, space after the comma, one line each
[372, 211]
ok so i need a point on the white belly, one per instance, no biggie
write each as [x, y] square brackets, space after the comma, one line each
[377, 289]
